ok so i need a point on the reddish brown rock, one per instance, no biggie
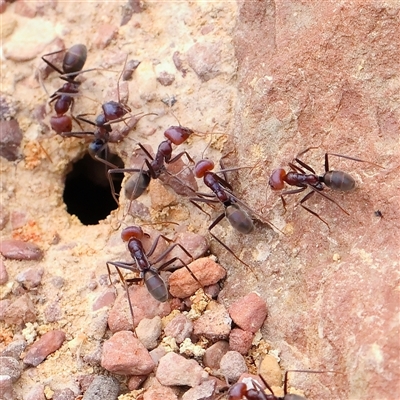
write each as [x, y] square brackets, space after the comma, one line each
[180, 328]
[207, 272]
[204, 391]
[124, 354]
[240, 340]
[105, 34]
[160, 393]
[105, 299]
[204, 59]
[20, 311]
[64, 394]
[173, 370]
[214, 324]
[30, 278]
[47, 344]
[249, 312]
[165, 78]
[135, 381]
[212, 356]
[19, 250]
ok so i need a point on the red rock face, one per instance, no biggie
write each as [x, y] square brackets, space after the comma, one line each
[321, 76]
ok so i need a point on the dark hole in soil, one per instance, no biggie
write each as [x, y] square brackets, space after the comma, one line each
[87, 192]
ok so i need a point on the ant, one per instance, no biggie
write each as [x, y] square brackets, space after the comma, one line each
[73, 62]
[150, 275]
[136, 185]
[240, 391]
[335, 180]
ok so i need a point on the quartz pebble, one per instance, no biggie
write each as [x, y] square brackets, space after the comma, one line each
[249, 312]
[124, 354]
[47, 344]
[173, 369]
[20, 250]
[240, 340]
[11, 367]
[20, 311]
[207, 272]
[102, 387]
[214, 353]
[30, 278]
[214, 324]
[3, 273]
[180, 328]
[204, 391]
[148, 331]
[232, 366]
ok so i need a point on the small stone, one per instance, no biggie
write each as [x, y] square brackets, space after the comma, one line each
[212, 290]
[18, 219]
[180, 178]
[204, 59]
[57, 281]
[124, 354]
[53, 312]
[23, 8]
[30, 278]
[204, 391]
[14, 349]
[102, 387]
[105, 34]
[105, 299]
[98, 325]
[130, 66]
[271, 371]
[161, 197]
[10, 366]
[165, 78]
[6, 388]
[173, 370]
[20, 311]
[249, 312]
[232, 366]
[214, 353]
[196, 245]
[10, 139]
[94, 357]
[180, 328]
[20, 250]
[3, 273]
[144, 306]
[182, 284]
[148, 331]
[47, 344]
[160, 393]
[64, 394]
[240, 340]
[4, 215]
[4, 304]
[157, 353]
[214, 324]
[135, 381]
[36, 393]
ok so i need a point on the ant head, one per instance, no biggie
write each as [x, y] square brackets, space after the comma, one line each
[276, 180]
[96, 147]
[177, 134]
[132, 232]
[238, 391]
[113, 110]
[202, 167]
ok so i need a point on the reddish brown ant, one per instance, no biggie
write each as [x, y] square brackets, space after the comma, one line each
[335, 180]
[73, 62]
[149, 274]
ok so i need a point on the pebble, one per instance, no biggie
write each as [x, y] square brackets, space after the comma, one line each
[53, 311]
[130, 67]
[180, 328]
[157, 353]
[240, 340]
[161, 197]
[63, 394]
[124, 354]
[4, 215]
[25, 9]
[135, 381]
[36, 393]
[204, 59]
[20, 250]
[47, 344]
[204, 269]
[14, 349]
[11, 367]
[6, 388]
[30, 278]
[165, 78]
[249, 312]
[271, 371]
[232, 366]
[173, 370]
[148, 331]
[94, 357]
[105, 299]
[20, 311]
[18, 219]
[160, 393]
[98, 324]
[196, 245]
[204, 391]
[214, 353]
[105, 34]
[214, 324]
[180, 178]
[144, 306]
[102, 387]
[10, 139]
[4, 304]
[3, 273]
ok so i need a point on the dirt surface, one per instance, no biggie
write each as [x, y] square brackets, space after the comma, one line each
[275, 78]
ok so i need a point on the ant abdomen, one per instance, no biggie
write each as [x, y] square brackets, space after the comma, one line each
[239, 219]
[339, 180]
[75, 58]
[135, 186]
[155, 285]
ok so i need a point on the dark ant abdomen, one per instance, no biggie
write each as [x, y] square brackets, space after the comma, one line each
[339, 180]
[239, 219]
[155, 285]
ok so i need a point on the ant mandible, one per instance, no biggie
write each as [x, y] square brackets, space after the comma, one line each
[73, 62]
[150, 275]
[335, 180]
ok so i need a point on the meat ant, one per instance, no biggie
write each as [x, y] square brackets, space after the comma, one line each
[297, 176]
[240, 390]
[136, 185]
[73, 62]
[149, 274]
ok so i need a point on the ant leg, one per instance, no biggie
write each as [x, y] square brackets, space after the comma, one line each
[347, 157]
[193, 200]
[305, 151]
[328, 198]
[304, 199]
